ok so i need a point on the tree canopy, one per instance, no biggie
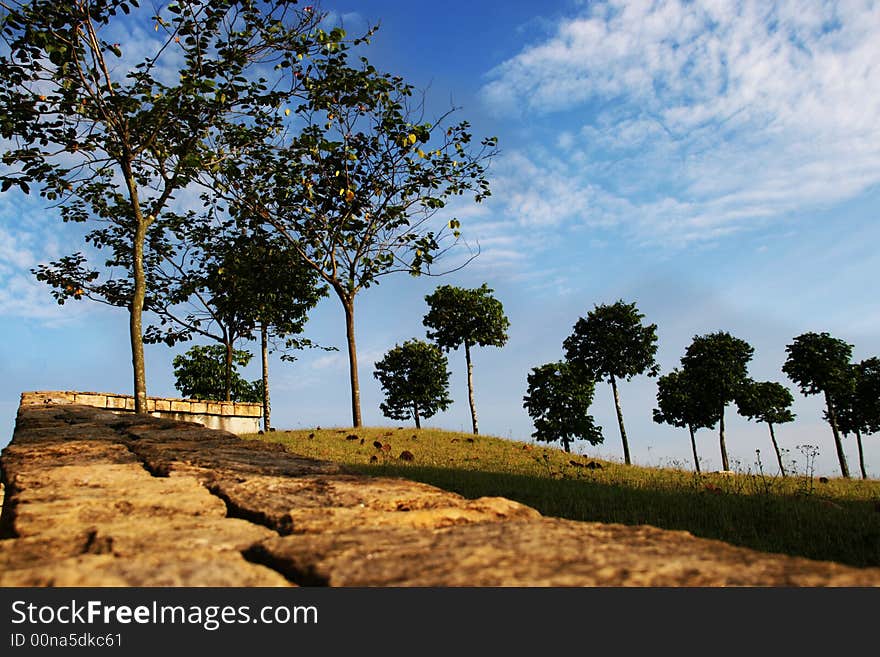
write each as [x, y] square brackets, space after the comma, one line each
[415, 379]
[459, 316]
[558, 400]
[858, 404]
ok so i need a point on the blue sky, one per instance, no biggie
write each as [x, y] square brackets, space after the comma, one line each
[715, 162]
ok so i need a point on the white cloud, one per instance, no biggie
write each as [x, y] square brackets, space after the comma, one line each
[699, 119]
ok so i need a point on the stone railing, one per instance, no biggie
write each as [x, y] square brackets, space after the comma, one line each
[235, 417]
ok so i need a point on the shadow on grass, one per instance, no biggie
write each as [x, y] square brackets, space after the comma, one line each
[804, 525]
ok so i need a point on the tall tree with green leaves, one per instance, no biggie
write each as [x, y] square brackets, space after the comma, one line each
[766, 401]
[858, 404]
[113, 140]
[717, 364]
[612, 343]
[358, 185]
[415, 379]
[469, 317]
[230, 284]
[681, 404]
[201, 373]
[820, 363]
[558, 400]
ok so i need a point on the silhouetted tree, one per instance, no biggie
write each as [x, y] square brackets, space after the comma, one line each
[468, 317]
[768, 402]
[820, 363]
[717, 364]
[858, 404]
[558, 401]
[681, 405]
[415, 379]
[612, 343]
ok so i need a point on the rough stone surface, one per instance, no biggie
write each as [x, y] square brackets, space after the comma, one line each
[92, 498]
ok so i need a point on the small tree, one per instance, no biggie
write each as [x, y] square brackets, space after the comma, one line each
[612, 343]
[681, 405]
[558, 401]
[200, 373]
[858, 404]
[356, 188]
[458, 316]
[716, 364]
[820, 363]
[415, 379]
[768, 402]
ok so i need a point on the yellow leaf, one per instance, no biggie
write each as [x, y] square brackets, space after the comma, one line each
[157, 27]
[349, 196]
[411, 138]
[421, 153]
[287, 112]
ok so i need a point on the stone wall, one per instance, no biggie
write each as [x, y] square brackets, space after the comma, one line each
[95, 498]
[235, 417]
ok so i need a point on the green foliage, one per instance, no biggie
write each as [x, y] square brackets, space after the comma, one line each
[716, 364]
[200, 373]
[415, 380]
[858, 403]
[818, 363]
[558, 401]
[765, 401]
[680, 404]
[612, 342]
[459, 316]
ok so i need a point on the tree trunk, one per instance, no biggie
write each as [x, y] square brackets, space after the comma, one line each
[227, 373]
[724, 462]
[264, 350]
[348, 305]
[861, 455]
[566, 444]
[832, 420]
[135, 326]
[136, 309]
[776, 447]
[620, 422]
[694, 447]
[470, 381]
[416, 415]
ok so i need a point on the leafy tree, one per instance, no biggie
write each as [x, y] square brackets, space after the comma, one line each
[820, 363]
[769, 402]
[357, 187]
[200, 373]
[558, 401]
[468, 317]
[858, 404]
[612, 343]
[230, 284]
[681, 405]
[717, 364]
[415, 380]
[113, 141]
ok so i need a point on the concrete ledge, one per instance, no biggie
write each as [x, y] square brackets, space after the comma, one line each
[235, 417]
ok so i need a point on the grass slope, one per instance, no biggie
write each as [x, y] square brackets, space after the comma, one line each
[835, 520]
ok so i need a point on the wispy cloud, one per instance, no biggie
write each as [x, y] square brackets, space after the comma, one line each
[695, 119]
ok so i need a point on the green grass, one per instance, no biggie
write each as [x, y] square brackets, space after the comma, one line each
[798, 515]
